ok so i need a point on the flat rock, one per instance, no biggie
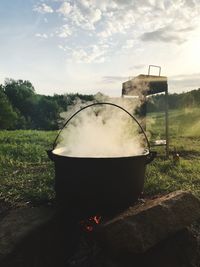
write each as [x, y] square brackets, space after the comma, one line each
[143, 226]
[37, 237]
[18, 224]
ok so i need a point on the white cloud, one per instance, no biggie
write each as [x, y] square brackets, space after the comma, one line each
[169, 34]
[64, 9]
[95, 16]
[64, 31]
[124, 2]
[103, 5]
[137, 66]
[189, 81]
[43, 8]
[85, 18]
[68, 50]
[114, 79]
[93, 54]
[85, 3]
[124, 23]
[118, 22]
[129, 44]
[77, 16]
[111, 29]
[41, 35]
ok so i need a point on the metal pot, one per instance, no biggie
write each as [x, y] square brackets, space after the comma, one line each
[89, 186]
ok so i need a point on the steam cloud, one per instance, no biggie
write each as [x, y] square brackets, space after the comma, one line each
[101, 131]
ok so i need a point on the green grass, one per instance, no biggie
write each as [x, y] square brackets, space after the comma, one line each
[184, 123]
[164, 176]
[27, 175]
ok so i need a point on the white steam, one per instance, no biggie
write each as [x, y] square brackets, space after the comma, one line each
[101, 131]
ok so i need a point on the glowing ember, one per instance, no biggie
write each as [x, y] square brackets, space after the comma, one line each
[97, 219]
[89, 224]
[89, 228]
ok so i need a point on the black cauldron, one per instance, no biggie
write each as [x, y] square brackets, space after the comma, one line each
[90, 186]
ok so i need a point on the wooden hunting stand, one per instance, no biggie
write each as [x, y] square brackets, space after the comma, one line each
[146, 85]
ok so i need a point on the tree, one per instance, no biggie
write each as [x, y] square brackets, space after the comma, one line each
[47, 114]
[21, 95]
[8, 117]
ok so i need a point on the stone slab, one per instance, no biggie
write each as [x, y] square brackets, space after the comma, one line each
[142, 226]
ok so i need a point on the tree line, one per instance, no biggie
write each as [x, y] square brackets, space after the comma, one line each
[22, 108]
[189, 99]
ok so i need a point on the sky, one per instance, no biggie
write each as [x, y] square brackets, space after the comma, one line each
[90, 46]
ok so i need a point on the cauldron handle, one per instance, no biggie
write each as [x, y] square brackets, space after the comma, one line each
[102, 103]
[150, 157]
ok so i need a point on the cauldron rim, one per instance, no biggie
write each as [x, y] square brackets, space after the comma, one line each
[145, 153]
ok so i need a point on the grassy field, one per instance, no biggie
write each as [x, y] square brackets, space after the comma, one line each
[27, 175]
[184, 134]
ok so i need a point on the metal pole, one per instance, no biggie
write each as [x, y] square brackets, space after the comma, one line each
[167, 122]
[145, 112]
[155, 66]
